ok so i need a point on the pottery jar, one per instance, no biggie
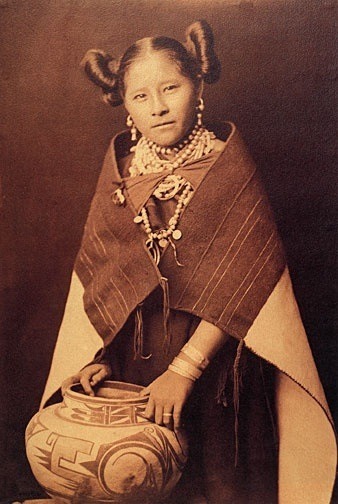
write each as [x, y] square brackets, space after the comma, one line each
[102, 450]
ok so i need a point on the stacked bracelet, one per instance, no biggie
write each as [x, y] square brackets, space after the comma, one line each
[195, 355]
[184, 368]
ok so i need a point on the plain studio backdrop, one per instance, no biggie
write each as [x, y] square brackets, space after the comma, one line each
[277, 85]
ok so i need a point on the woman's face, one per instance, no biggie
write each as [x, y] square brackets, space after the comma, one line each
[161, 101]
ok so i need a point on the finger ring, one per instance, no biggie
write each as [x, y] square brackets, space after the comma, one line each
[167, 414]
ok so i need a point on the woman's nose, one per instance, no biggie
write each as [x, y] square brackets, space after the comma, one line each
[159, 107]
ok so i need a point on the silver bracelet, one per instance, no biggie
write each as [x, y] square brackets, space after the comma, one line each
[195, 355]
[181, 372]
[189, 370]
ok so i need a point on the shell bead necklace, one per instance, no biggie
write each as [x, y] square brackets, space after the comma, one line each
[148, 157]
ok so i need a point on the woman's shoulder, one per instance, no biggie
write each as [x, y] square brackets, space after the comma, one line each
[119, 150]
[124, 164]
[121, 144]
[223, 131]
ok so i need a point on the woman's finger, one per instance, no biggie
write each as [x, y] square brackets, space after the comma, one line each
[68, 382]
[145, 391]
[86, 385]
[97, 377]
[150, 409]
[177, 417]
[159, 414]
[168, 418]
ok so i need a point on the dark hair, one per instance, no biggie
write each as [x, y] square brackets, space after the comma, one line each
[196, 60]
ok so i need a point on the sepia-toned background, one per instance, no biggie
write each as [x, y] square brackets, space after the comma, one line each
[277, 85]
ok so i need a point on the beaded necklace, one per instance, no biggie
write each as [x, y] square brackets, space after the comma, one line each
[148, 159]
[158, 240]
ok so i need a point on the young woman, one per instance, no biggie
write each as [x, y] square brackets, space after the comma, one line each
[183, 276]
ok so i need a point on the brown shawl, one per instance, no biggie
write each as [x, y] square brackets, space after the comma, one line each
[231, 254]
[234, 276]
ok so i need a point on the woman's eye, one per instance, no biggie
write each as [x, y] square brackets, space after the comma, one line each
[171, 87]
[140, 96]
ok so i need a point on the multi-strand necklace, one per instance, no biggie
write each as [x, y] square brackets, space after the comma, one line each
[150, 158]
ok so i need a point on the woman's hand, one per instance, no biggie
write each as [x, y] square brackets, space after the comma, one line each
[167, 396]
[88, 377]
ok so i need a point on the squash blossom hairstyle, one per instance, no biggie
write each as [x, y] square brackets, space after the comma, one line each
[196, 60]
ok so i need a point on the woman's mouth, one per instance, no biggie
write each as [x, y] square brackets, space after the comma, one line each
[163, 125]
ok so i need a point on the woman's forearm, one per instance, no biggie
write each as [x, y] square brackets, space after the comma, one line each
[207, 340]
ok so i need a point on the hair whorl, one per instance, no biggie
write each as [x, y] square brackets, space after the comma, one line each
[200, 42]
[196, 59]
[101, 69]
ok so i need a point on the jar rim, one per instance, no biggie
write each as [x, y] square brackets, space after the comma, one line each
[75, 391]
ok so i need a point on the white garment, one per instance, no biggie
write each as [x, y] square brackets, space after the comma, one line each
[76, 344]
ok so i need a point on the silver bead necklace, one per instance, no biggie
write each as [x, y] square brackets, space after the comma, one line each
[158, 240]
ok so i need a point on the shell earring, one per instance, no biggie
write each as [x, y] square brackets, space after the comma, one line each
[133, 130]
[200, 108]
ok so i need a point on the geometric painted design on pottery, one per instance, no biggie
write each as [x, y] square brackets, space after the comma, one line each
[138, 466]
[60, 457]
[91, 450]
[33, 428]
[109, 415]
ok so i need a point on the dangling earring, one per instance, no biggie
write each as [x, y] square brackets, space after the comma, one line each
[133, 130]
[200, 108]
